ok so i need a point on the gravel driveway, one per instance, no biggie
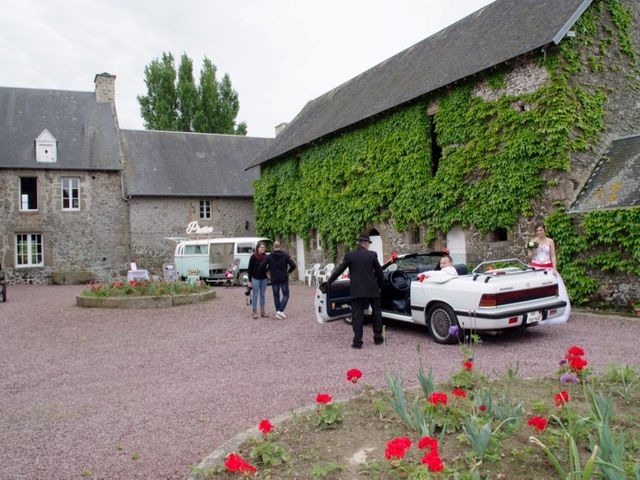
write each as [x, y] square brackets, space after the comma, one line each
[125, 394]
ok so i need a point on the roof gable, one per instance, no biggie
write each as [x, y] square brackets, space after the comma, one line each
[45, 136]
[190, 164]
[501, 31]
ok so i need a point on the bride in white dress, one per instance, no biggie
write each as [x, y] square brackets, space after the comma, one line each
[544, 256]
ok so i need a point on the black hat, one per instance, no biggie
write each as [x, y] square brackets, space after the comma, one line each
[363, 238]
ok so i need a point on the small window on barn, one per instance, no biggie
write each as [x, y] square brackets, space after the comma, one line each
[436, 149]
[205, 209]
[498, 235]
[413, 235]
[46, 147]
[316, 240]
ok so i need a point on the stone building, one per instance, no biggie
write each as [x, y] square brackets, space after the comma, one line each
[176, 178]
[61, 203]
[79, 198]
[516, 105]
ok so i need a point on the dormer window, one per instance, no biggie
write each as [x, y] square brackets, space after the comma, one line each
[46, 147]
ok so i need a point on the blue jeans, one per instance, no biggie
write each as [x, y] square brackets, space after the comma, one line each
[259, 288]
[281, 303]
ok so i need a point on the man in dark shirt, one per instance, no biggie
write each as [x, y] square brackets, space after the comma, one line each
[278, 266]
[366, 277]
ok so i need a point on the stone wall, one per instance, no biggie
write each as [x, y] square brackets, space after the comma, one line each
[93, 239]
[153, 220]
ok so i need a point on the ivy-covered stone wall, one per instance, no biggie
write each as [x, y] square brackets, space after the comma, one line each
[515, 145]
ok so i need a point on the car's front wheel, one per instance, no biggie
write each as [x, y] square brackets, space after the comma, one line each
[440, 318]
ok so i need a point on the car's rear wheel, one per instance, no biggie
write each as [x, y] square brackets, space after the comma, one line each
[440, 318]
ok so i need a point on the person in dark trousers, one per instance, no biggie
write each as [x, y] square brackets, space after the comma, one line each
[278, 266]
[366, 278]
[258, 280]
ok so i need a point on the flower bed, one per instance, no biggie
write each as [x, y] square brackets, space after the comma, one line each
[470, 427]
[142, 294]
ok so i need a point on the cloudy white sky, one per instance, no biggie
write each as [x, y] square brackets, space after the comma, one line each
[279, 53]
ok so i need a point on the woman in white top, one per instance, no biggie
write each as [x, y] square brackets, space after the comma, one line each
[544, 254]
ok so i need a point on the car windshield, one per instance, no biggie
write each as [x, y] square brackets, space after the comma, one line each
[414, 263]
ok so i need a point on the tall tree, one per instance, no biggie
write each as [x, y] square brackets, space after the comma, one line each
[159, 106]
[211, 107]
[187, 95]
[205, 118]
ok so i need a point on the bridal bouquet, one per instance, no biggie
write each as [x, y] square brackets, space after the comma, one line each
[531, 244]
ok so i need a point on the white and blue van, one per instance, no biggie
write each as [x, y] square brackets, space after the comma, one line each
[209, 259]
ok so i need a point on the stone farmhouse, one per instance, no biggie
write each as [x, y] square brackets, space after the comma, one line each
[80, 199]
[467, 138]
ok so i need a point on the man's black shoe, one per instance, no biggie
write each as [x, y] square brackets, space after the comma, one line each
[378, 341]
[356, 345]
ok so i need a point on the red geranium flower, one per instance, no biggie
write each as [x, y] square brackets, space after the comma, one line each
[577, 363]
[433, 461]
[397, 447]
[468, 365]
[575, 351]
[323, 398]
[562, 398]
[482, 408]
[538, 422]
[235, 463]
[354, 375]
[428, 442]
[458, 392]
[438, 397]
[265, 426]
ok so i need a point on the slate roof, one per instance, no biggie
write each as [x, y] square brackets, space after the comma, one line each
[190, 164]
[501, 31]
[615, 180]
[85, 130]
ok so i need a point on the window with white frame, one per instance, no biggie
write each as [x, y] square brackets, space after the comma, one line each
[70, 193]
[29, 250]
[205, 209]
[28, 194]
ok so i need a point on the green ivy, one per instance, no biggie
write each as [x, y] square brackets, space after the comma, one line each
[493, 155]
[609, 240]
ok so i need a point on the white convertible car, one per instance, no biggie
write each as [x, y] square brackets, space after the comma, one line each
[515, 295]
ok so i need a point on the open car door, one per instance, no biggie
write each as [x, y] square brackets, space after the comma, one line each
[335, 304]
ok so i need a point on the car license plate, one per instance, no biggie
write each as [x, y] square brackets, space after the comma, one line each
[534, 317]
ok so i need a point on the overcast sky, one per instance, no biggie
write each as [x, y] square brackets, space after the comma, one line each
[280, 54]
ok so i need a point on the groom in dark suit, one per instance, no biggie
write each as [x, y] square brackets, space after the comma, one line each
[366, 277]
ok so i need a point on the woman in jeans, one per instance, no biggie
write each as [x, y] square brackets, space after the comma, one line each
[258, 279]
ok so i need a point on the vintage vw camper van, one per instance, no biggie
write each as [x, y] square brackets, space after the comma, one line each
[209, 259]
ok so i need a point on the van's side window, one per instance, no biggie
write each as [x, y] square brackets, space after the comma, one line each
[195, 249]
[245, 248]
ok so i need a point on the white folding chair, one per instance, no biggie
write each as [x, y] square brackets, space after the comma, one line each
[310, 273]
[324, 273]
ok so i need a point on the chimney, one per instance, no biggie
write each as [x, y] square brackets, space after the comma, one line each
[105, 88]
[280, 128]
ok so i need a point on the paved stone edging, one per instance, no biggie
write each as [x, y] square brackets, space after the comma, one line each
[144, 302]
[218, 456]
